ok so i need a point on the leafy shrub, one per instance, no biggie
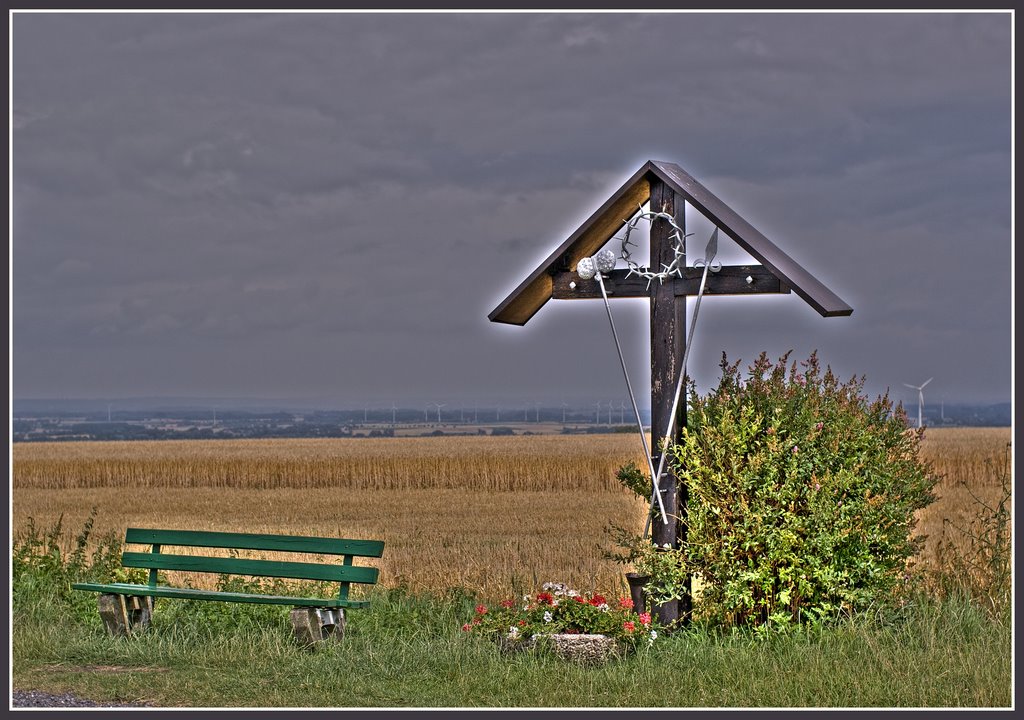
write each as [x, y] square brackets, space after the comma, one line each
[632, 477]
[802, 495]
[43, 568]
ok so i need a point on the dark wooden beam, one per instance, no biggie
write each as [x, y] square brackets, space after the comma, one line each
[668, 344]
[730, 280]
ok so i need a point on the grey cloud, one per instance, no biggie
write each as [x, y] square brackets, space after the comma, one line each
[358, 185]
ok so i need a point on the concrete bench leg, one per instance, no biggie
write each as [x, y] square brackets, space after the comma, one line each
[125, 614]
[312, 626]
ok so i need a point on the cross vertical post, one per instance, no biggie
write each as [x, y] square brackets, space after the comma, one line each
[668, 340]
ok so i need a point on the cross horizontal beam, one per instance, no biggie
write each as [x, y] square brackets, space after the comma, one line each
[730, 280]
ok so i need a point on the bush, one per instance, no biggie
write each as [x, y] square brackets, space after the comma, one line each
[802, 496]
[43, 569]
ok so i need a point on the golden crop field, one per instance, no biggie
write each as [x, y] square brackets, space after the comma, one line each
[494, 513]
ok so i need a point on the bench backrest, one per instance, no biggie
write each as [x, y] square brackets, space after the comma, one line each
[344, 573]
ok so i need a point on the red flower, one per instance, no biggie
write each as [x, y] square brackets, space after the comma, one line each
[467, 627]
[598, 600]
[626, 603]
[481, 609]
[545, 598]
[507, 603]
[645, 618]
[628, 626]
[579, 599]
[522, 623]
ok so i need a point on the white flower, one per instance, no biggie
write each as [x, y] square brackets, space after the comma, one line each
[603, 606]
[547, 617]
[554, 603]
[572, 593]
[513, 632]
[667, 546]
[654, 634]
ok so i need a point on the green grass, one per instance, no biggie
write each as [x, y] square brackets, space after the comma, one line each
[409, 651]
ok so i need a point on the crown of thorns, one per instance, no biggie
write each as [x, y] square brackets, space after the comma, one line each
[678, 248]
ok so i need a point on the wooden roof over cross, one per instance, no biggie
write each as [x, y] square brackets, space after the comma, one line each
[555, 277]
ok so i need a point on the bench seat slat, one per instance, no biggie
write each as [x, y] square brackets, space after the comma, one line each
[194, 594]
[241, 566]
[254, 541]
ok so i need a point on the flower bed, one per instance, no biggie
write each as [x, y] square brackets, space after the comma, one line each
[585, 628]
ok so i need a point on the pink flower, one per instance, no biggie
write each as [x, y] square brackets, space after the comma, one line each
[771, 431]
[629, 626]
[626, 603]
[467, 627]
[796, 449]
[819, 426]
[507, 603]
[645, 618]
[481, 609]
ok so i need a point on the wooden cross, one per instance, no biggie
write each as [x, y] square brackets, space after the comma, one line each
[668, 188]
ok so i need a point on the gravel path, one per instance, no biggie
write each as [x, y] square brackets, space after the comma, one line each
[33, 698]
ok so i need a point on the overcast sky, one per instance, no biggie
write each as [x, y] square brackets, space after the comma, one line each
[327, 207]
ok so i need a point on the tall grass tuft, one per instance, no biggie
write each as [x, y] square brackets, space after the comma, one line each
[974, 558]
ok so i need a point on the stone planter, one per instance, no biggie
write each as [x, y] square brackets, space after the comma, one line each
[582, 648]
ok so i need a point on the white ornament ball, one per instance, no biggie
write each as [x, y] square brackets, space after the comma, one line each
[605, 261]
[585, 268]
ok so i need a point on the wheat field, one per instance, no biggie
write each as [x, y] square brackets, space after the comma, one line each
[499, 514]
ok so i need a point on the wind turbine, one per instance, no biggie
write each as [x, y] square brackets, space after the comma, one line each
[564, 406]
[439, 406]
[622, 412]
[537, 416]
[393, 409]
[598, 406]
[920, 398]
[611, 407]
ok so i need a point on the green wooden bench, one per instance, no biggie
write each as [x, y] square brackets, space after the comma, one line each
[127, 608]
